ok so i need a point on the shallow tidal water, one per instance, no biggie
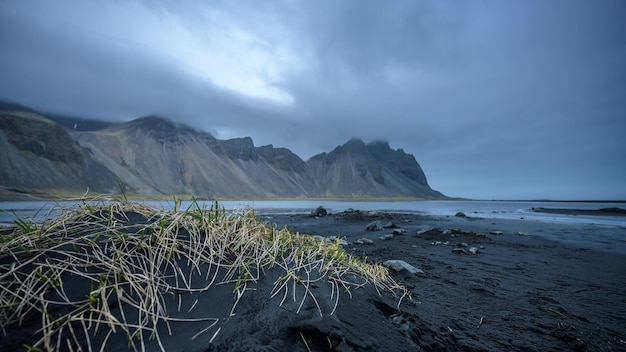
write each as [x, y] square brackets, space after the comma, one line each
[585, 230]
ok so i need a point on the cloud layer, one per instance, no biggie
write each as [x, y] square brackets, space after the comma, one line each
[495, 99]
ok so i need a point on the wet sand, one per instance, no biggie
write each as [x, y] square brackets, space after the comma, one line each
[519, 292]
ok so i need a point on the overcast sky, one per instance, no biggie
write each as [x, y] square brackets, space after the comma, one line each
[495, 99]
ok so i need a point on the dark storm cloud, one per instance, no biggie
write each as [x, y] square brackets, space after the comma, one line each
[495, 99]
[77, 71]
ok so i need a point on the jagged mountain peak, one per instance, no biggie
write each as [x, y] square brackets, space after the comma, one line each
[160, 128]
[154, 155]
[378, 145]
[356, 169]
[357, 145]
[153, 122]
[238, 148]
[353, 145]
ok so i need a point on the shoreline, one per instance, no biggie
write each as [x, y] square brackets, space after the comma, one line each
[613, 211]
[16, 194]
[529, 286]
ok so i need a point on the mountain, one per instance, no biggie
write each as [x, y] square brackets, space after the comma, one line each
[152, 157]
[356, 169]
[37, 154]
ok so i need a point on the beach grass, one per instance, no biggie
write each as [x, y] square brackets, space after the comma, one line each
[106, 268]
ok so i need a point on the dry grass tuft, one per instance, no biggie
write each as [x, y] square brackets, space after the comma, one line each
[106, 268]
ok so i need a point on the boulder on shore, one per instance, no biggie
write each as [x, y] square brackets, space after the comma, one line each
[319, 211]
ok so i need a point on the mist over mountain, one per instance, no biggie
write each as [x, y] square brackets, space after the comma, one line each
[152, 157]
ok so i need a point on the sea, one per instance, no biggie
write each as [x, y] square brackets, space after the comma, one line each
[602, 232]
[38, 211]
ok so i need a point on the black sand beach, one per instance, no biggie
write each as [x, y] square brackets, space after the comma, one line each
[520, 292]
[482, 285]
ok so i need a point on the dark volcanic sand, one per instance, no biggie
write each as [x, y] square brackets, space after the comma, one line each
[530, 293]
[518, 293]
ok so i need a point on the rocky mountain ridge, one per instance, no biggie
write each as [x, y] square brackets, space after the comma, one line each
[154, 157]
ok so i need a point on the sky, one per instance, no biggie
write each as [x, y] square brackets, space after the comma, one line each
[495, 99]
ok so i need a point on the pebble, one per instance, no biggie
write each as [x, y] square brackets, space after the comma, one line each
[390, 225]
[374, 226]
[401, 265]
[423, 230]
[341, 241]
[363, 241]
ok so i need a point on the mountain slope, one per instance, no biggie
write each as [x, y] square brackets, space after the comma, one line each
[39, 154]
[151, 156]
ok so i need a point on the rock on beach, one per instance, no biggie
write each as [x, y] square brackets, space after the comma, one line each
[402, 266]
[375, 226]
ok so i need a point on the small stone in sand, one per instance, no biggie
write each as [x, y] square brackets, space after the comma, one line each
[390, 225]
[363, 241]
[473, 250]
[374, 226]
[401, 265]
[460, 214]
[341, 241]
[523, 233]
[386, 237]
[423, 230]
[496, 232]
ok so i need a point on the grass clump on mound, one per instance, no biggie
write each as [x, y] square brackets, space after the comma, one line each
[110, 268]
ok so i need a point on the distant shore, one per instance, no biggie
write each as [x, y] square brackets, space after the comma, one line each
[614, 211]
